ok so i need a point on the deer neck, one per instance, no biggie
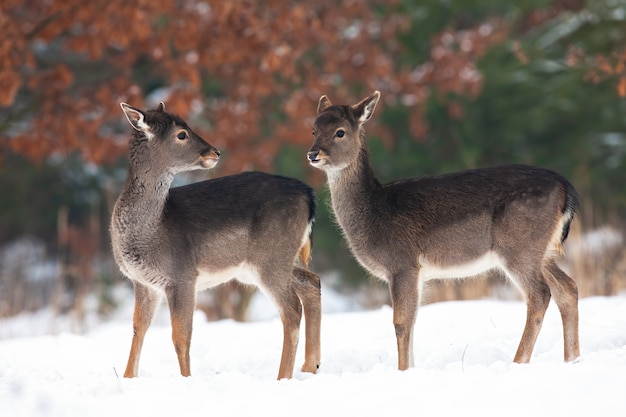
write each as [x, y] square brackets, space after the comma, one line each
[139, 208]
[354, 192]
[144, 190]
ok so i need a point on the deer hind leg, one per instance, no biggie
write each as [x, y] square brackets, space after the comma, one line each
[146, 301]
[404, 299]
[565, 294]
[181, 299]
[308, 289]
[537, 295]
[281, 289]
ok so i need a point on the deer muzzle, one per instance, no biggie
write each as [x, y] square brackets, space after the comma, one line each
[210, 159]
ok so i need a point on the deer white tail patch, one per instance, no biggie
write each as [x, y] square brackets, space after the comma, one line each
[555, 247]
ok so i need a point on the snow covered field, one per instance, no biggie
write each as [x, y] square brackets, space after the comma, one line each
[463, 353]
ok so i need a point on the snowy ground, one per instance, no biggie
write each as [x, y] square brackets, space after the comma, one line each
[463, 353]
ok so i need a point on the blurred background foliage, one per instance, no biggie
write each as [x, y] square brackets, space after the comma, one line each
[465, 84]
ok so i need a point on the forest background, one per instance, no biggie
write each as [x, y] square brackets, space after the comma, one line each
[464, 84]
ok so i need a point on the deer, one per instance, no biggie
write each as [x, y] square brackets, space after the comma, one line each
[511, 218]
[254, 227]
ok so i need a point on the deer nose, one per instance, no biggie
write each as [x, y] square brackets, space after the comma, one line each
[312, 155]
[210, 153]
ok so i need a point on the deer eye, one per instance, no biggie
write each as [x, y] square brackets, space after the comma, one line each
[182, 135]
[340, 133]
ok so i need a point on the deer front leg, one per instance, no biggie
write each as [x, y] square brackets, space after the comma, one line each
[404, 300]
[182, 301]
[146, 301]
[307, 285]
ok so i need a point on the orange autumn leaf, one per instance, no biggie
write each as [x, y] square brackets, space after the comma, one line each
[621, 86]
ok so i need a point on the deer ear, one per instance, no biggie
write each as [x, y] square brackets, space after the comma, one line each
[136, 118]
[363, 110]
[323, 104]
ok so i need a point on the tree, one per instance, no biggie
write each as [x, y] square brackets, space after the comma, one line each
[257, 70]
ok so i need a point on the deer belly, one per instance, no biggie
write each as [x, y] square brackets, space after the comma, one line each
[243, 273]
[431, 270]
[372, 266]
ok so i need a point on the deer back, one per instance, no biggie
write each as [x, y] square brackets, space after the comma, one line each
[224, 222]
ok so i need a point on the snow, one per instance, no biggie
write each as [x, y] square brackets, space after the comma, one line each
[463, 353]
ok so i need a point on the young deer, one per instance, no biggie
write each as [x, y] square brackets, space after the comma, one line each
[513, 218]
[176, 241]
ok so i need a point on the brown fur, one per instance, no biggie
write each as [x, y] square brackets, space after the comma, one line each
[305, 252]
[513, 218]
[176, 241]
